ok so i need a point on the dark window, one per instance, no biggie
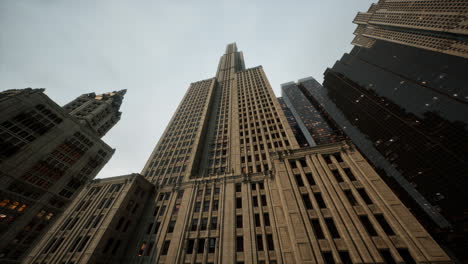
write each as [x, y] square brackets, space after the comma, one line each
[337, 175]
[328, 258]
[327, 159]
[83, 244]
[299, 181]
[171, 226]
[367, 225]
[266, 219]
[201, 245]
[197, 207]
[254, 186]
[350, 196]
[119, 224]
[206, 206]
[270, 244]
[364, 196]
[110, 241]
[255, 201]
[261, 186]
[310, 178]
[257, 219]
[238, 202]
[332, 228]
[239, 244]
[214, 223]
[204, 223]
[127, 224]
[238, 187]
[317, 228]
[98, 220]
[307, 202]
[345, 258]
[293, 164]
[338, 157]
[259, 243]
[194, 225]
[350, 174]
[264, 201]
[384, 224]
[156, 227]
[56, 245]
[75, 244]
[150, 226]
[406, 256]
[165, 247]
[320, 201]
[190, 244]
[387, 256]
[211, 245]
[239, 221]
[303, 162]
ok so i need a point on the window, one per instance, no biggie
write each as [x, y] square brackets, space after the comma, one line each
[239, 221]
[171, 226]
[337, 175]
[75, 244]
[317, 228]
[364, 196]
[384, 224]
[215, 205]
[201, 245]
[350, 197]
[83, 244]
[350, 174]
[299, 181]
[148, 230]
[239, 244]
[98, 219]
[238, 187]
[197, 207]
[368, 225]
[332, 228]
[211, 245]
[238, 202]
[270, 244]
[293, 164]
[110, 241]
[303, 163]
[320, 201]
[165, 247]
[206, 206]
[190, 245]
[255, 201]
[263, 199]
[257, 219]
[345, 258]
[214, 223]
[266, 219]
[259, 243]
[194, 225]
[127, 224]
[406, 256]
[387, 256]
[307, 202]
[328, 258]
[204, 223]
[310, 179]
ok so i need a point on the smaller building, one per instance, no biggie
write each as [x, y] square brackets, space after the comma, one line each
[98, 225]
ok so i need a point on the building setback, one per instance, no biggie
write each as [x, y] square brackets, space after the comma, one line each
[98, 225]
[46, 157]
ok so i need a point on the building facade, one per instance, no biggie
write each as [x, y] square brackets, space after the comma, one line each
[46, 157]
[98, 225]
[234, 186]
[312, 119]
[440, 26]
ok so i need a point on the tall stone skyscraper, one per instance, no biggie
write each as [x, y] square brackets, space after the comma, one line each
[46, 156]
[233, 186]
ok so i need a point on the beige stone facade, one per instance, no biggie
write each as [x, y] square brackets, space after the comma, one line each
[98, 225]
[440, 26]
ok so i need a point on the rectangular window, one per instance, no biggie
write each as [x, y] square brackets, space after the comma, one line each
[211, 245]
[190, 245]
[299, 181]
[310, 178]
[238, 203]
[368, 225]
[387, 256]
[56, 245]
[194, 225]
[259, 243]
[206, 206]
[350, 196]
[406, 256]
[214, 223]
[239, 244]
[263, 199]
[110, 241]
[254, 201]
[238, 187]
[307, 202]
[201, 245]
[97, 221]
[350, 174]
[197, 207]
[257, 219]
[293, 164]
[270, 244]
[364, 196]
[171, 226]
[328, 258]
[75, 244]
[83, 243]
[384, 224]
[165, 247]
[266, 219]
[215, 205]
[204, 223]
[332, 228]
[320, 201]
[148, 230]
[317, 228]
[239, 221]
[345, 258]
[337, 175]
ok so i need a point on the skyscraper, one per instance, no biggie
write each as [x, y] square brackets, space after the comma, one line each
[233, 186]
[401, 96]
[46, 157]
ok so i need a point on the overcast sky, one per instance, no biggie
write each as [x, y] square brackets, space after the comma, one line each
[155, 49]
